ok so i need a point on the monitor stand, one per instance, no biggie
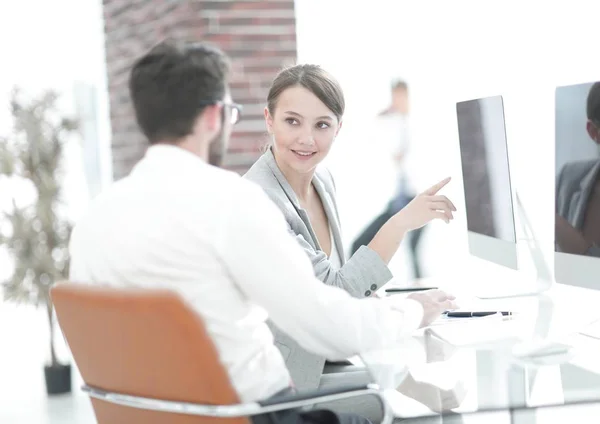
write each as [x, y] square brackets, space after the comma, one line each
[524, 286]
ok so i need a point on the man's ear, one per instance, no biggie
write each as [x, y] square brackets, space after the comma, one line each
[208, 123]
[593, 131]
[212, 118]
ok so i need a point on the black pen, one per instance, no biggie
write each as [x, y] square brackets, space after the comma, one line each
[461, 314]
[408, 289]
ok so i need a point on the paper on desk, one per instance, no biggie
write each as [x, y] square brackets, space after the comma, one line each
[478, 331]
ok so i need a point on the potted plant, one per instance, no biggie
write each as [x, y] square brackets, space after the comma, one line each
[35, 231]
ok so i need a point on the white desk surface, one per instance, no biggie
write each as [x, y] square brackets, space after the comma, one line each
[462, 379]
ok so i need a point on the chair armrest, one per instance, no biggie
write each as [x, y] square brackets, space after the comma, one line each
[280, 403]
[299, 400]
[313, 395]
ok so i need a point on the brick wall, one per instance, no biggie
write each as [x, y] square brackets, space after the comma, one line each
[259, 36]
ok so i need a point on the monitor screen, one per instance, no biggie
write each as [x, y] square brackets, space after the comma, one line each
[485, 168]
[577, 179]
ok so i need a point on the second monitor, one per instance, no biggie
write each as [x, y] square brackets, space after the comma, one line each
[577, 219]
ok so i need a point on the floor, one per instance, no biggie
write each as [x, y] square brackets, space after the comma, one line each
[23, 352]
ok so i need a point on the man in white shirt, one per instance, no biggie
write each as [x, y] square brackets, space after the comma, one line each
[181, 223]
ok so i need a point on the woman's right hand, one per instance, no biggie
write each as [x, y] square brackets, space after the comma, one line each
[426, 207]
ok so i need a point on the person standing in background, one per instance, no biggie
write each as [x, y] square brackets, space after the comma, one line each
[393, 125]
[577, 224]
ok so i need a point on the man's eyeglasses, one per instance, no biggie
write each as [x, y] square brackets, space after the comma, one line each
[236, 109]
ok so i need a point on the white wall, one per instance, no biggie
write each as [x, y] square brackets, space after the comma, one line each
[60, 45]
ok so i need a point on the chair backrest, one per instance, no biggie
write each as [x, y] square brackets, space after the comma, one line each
[144, 343]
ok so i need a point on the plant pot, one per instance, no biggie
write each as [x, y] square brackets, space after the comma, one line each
[58, 379]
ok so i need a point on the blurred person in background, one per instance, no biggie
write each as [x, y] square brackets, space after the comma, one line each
[577, 224]
[305, 107]
[392, 125]
[181, 223]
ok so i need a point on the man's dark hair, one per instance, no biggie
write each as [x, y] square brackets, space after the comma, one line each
[396, 84]
[593, 103]
[171, 85]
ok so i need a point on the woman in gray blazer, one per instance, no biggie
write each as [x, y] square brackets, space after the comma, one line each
[303, 116]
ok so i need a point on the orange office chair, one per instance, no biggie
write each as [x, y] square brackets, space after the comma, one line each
[146, 358]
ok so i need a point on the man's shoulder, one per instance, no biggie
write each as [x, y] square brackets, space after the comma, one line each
[242, 193]
[222, 197]
[574, 171]
[110, 194]
[103, 206]
[581, 165]
[215, 187]
[253, 204]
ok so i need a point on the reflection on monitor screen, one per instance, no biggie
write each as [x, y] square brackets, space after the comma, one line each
[485, 169]
[577, 220]
[486, 177]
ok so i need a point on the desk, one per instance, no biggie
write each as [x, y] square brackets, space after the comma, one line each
[459, 381]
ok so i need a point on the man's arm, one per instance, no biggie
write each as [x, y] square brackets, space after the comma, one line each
[273, 271]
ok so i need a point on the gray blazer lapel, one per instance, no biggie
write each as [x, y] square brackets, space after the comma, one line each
[286, 187]
[577, 210]
[291, 195]
[332, 217]
[580, 198]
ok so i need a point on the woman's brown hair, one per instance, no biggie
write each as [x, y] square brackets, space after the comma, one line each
[313, 78]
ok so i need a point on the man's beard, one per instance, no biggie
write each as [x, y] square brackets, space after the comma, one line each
[217, 150]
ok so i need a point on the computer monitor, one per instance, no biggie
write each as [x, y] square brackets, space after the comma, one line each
[486, 178]
[577, 185]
